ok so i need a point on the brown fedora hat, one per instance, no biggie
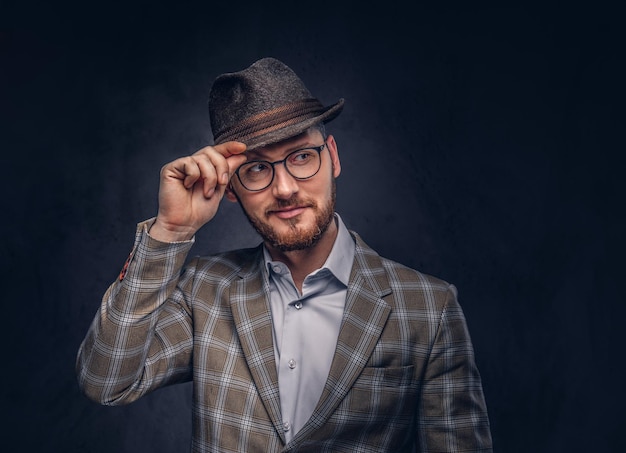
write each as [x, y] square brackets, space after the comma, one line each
[264, 104]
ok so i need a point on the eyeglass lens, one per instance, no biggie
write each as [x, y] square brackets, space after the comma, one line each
[301, 164]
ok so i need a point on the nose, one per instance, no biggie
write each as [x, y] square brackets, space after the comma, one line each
[284, 185]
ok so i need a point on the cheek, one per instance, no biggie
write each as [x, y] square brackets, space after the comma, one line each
[248, 204]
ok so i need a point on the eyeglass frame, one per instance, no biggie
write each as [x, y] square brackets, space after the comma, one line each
[319, 150]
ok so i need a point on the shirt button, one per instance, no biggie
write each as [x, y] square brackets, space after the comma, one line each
[277, 269]
[287, 426]
[292, 364]
[298, 305]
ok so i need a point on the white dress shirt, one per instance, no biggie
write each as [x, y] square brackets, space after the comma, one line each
[306, 328]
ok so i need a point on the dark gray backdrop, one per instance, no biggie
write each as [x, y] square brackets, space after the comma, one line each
[480, 144]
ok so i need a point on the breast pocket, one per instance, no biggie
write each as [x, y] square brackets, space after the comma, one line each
[385, 376]
[384, 394]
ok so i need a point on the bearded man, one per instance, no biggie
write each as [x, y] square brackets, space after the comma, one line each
[310, 342]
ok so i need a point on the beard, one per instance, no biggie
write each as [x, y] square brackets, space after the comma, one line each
[298, 237]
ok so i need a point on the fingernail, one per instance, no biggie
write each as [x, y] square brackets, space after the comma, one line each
[225, 178]
[210, 193]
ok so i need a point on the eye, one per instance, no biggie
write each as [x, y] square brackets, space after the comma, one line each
[256, 170]
[257, 167]
[301, 157]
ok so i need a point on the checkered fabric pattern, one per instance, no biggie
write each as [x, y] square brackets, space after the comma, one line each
[403, 378]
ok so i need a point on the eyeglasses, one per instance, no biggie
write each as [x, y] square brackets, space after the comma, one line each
[302, 164]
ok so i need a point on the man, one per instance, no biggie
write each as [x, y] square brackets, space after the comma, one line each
[310, 342]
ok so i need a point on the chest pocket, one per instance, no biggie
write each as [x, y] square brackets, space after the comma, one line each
[372, 377]
[384, 397]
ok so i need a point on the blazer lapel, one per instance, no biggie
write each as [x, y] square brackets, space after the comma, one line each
[364, 319]
[253, 322]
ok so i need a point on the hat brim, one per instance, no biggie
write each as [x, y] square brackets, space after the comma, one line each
[330, 113]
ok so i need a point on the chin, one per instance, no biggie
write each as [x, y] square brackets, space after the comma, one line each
[293, 234]
[296, 241]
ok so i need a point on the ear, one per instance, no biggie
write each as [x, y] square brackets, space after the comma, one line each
[230, 193]
[334, 155]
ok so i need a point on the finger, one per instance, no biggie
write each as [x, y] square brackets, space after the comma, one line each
[208, 173]
[221, 166]
[219, 156]
[234, 162]
[233, 151]
[191, 174]
[228, 149]
[183, 169]
[227, 157]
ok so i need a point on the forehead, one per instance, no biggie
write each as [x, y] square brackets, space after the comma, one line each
[311, 137]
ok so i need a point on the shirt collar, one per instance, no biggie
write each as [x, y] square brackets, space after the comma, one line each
[340, 259]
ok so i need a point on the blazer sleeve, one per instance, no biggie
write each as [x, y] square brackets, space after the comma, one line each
[453, 413]
[141, 337]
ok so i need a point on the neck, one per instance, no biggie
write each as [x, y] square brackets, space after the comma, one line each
[302, 262]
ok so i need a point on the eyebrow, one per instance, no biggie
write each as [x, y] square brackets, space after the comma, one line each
[261, 155]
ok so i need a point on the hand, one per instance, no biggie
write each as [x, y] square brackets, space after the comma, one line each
[191, 189]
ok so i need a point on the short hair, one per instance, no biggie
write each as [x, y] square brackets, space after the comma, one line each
[321, 128]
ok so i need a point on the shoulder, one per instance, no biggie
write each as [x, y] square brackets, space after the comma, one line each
[370, 261]
[407, 285]
[228, 264]
[401, 274]
[412, 288]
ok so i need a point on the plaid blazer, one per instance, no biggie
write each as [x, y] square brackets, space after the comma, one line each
[403, 378]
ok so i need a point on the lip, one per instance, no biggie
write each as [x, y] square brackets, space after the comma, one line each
[289, 213]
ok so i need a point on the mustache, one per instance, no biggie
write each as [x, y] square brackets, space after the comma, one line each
[290, 203]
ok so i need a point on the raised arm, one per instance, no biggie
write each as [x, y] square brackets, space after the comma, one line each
[141, 337]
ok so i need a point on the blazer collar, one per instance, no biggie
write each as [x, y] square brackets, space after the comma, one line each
[253, 321]
[365, 306]
[365, 316]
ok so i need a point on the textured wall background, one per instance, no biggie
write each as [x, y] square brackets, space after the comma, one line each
[480, 144]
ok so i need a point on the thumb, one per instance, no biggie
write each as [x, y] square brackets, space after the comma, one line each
[234, 162]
